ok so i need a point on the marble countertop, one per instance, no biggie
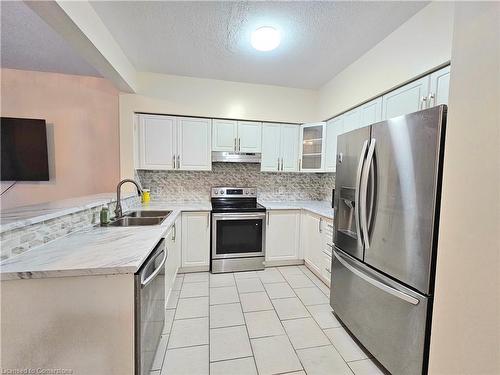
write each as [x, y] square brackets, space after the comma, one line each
[96, 250]
[113, 250]
[18, 217]
[322, 208]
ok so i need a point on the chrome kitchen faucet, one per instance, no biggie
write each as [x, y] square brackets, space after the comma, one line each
[118, 209]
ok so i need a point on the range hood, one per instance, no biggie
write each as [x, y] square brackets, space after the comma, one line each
[235, 157]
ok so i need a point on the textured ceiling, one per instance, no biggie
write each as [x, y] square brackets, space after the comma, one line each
[212, 39]
[28, 43]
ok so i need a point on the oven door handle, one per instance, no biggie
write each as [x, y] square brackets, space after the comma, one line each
[237, 216]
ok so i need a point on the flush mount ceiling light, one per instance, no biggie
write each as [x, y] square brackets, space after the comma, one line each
[265, 38]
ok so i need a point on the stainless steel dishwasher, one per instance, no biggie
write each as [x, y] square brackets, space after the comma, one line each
[149, 307]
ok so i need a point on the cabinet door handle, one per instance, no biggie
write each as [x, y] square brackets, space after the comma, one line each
[423, 100]
[432, 99]
[278, 164]
[319, 224]
[173, 161]
[235, 145]
[239, 144]
[282, 164]
[174, 233]
[178, 161]
[267, 218]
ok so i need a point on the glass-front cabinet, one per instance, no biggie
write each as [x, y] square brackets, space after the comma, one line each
[312, 146]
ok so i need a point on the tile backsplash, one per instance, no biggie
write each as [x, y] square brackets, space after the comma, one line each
[195, 185]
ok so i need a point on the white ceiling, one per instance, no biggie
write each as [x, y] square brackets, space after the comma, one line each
[212, 39]
[28, 43]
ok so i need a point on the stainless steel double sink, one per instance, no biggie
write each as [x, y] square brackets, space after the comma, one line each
[140, 218]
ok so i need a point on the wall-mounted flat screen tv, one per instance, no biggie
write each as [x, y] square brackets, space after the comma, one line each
[24, 149]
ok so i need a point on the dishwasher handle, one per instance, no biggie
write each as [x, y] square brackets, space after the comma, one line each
[147, 280]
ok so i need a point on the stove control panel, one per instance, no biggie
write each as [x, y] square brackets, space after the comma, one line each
[232, 192]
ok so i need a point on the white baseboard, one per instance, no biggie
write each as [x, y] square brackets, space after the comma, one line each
[287, 262]
[193, 269]
[317, 273]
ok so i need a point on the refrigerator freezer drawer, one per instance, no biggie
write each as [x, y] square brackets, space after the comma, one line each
[386, 317]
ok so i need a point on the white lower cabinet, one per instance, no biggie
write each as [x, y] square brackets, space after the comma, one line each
[316, 234]
[312, 240]
[173, 262]
[195, 242]
[282, 236]
[326, 269]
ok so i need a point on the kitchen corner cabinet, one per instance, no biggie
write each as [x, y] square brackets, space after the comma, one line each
[312, 147]
[195, 241]
[236, 136]
[282, 236]
[174, 143]
[280, 147]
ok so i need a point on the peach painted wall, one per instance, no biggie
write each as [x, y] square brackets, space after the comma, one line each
[82, 129]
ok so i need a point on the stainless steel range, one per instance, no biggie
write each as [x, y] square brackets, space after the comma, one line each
[238, 230]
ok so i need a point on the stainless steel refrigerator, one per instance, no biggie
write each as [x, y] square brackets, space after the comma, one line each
[387, 201]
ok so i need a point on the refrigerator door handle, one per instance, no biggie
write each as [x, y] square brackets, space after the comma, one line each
[356, 197]
[363, 193]
[376, 283]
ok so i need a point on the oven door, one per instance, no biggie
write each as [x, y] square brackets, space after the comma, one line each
[238, 235]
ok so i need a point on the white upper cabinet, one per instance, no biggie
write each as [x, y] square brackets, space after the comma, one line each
[425, 92]
[352, 120]
[439, 87]
[280, 147]
[334, 127]
[249, 136]
[236, 136]
[312, 147]
[181, 143]
[370, 112]
[289, 148]
[407, 99]
[157, 146]
[271, 152]
[224, 135]
[194, 144]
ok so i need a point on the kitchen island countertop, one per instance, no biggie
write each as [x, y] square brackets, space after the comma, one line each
[96, 250]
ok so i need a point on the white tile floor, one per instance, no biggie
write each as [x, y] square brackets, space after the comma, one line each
[276, 321]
